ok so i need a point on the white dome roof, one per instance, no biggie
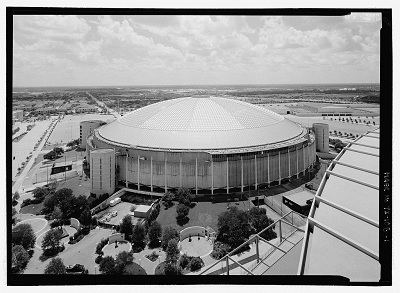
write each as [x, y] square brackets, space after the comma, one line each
[200, 123]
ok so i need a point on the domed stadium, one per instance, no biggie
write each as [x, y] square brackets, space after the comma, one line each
[207, 144]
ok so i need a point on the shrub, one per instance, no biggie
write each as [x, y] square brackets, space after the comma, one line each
[100, 246]
[220, 250]
[80, 237]
[98, 259]
[26, 202]
[77, 233]
[55, 223]
[184, 261]
[85, 230]
[196, 263]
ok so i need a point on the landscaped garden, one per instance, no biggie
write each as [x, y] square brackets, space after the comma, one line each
[202, 214]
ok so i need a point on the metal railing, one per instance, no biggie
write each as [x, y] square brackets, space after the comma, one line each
[257, 238]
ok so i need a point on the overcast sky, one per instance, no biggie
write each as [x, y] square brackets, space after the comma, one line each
[183, 50]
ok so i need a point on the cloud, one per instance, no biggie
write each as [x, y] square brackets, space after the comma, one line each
[149, 49]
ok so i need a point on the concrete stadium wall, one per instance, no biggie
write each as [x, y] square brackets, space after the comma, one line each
[75, 224]
[192, 231]
[180, 167]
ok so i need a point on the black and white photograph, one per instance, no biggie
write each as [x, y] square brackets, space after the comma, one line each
[198, 146]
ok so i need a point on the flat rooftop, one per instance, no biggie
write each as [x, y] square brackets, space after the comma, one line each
[142, 208]
[301, 197]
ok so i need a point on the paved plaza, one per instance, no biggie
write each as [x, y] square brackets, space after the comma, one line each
[198, 246]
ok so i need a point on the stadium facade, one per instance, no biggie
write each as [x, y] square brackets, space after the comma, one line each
[207, 144]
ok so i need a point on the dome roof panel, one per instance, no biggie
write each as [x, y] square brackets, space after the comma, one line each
[200, 123]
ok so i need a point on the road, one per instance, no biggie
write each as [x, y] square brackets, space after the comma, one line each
[17, 185]
[101, 104]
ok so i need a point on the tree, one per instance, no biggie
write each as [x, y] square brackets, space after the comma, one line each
[58, 151]
[126, 226]
[123, 259]
[19, 259]
[172, 268]
[15, 198]
[168, 234]
[233, 227]
[86, 217]
[52, 155]
[138, 236]
[196, 263]
[154, 234]
[183, 195]
[51, 241]
[57, 213]
[55, 267]
[182, 211]
[172, 251]
[39, 193]
[167, 199]
[259, 221]
[107, 265]
[14, 212]
[23, 235]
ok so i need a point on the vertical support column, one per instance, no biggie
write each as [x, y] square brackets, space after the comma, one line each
[196, 177]
[297, 160]
[151, 173]
[304, 162]
[288, 153]
[255, 173]
[165, 172]
[280, 230]
[212, 176]
[227, 175]
[138, 172]
[279, 164]
[126, 170]
[269, 182]
[180, 171]
[227, 265]
[241, 161]
[257, 249]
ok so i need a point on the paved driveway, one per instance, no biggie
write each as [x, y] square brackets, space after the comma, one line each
[82, 252]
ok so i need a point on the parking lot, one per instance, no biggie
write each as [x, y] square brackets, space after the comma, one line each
[68, 128]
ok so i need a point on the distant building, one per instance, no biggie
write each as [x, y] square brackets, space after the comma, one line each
[102, 174]
[18, 115]
[331, 109]
[86, 128]
[321, 131]
[85, 109]
[61, 167]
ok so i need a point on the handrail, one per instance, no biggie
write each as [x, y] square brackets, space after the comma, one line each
[228, 255]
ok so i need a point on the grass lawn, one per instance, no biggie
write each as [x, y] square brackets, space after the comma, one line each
[160, 269]
[202, 214]
[134, 269]
[32, 209]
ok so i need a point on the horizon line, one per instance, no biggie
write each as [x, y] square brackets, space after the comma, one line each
[177, 85]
